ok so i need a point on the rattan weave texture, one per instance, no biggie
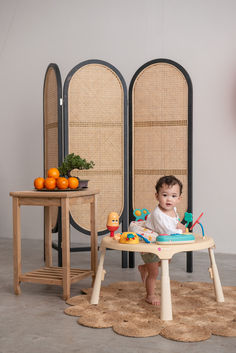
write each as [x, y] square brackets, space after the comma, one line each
[96, 132]
[51, 118]
[160, 131]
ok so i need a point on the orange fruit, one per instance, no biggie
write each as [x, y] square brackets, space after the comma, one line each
[53, 173]
[50, 183]
[62, 183]
[73, 183]
[39, 183]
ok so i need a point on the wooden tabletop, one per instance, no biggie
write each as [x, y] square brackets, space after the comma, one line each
[164, 251]
[51, 194]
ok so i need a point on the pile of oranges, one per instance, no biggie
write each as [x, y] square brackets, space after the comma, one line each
[54, 181]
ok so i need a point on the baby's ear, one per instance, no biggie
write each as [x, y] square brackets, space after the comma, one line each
[180, 197]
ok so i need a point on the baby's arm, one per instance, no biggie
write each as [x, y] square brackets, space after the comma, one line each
[181, 227]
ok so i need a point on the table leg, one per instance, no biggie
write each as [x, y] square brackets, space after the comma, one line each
[124, 259]
[98, 279]
[93, 240]
[189, 261]
[216, 277]
[16, 245]
[65, 222]
[48, 236]
[166, 306]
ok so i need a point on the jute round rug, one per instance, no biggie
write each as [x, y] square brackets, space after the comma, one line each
[196, 314]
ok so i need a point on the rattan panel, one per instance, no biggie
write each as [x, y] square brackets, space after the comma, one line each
[160, 132]
[96, 132]
[51, 126]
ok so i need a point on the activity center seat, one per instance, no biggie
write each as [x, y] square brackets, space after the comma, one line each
[143, 240]
[165, 253]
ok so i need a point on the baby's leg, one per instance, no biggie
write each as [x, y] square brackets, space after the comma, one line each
[152, 273]
[143, 272]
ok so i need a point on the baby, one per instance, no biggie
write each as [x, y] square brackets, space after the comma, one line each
[163, 220]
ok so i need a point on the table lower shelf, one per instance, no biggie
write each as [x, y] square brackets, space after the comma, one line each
[54, 275]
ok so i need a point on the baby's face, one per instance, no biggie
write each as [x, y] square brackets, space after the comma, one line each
[168, 197]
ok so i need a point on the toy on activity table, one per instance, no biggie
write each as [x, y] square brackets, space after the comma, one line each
[175, 238]
[197, 222]
[145, 239]
[129, 238]
[188, 217]
[125, 237]
[112, 223]
[186, 237]
[140, 214]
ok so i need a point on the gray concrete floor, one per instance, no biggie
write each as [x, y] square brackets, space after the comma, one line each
[35, 322]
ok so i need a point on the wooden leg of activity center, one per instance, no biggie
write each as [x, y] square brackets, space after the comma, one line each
[98, 279]
[166, 305]
[216, 277]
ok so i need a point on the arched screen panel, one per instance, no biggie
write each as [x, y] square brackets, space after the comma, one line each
[160, 114]
[96, 129]
[52, 123]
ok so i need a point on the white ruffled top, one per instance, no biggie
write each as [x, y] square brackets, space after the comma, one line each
[161, 223]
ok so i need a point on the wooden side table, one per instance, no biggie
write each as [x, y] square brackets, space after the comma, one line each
[63, 276]
[165, 253]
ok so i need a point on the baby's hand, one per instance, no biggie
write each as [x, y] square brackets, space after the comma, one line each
[181, 226]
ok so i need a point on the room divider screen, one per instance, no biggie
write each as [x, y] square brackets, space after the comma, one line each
[160, 134]
[95, 126]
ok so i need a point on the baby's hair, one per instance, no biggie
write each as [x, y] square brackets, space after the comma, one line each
[169, 180]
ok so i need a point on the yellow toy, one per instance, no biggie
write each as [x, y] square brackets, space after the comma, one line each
[125, 237]
[129, 238]
[112, 223]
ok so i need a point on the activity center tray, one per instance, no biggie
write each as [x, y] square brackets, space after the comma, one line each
[176, 238]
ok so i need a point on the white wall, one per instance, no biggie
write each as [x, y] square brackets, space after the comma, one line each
[199, 35]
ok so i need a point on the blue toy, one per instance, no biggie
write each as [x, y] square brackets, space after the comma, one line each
[176, 238]
[142, 237]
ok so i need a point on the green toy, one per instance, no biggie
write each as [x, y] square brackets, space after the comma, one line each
[188, 217]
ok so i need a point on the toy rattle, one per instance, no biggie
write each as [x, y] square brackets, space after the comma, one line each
[112, 223]
[140, 214]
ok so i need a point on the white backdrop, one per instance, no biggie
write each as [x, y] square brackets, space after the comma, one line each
[199, 35]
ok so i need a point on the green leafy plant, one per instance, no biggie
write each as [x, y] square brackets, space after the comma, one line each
[73, 161]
